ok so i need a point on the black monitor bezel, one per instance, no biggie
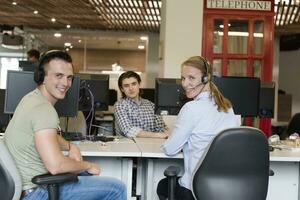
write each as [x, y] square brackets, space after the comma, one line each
[96, 78]
[236, 93]
[172, 85]
[70, 99]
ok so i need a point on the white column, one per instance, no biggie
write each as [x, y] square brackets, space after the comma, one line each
[152, 64]
[180, 34]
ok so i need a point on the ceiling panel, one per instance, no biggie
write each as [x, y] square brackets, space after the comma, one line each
[131, 16]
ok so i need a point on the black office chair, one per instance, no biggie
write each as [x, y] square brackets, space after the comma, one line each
[235, 166]
[10, 180]
[293, 126]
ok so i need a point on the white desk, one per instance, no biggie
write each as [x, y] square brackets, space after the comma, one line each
[283, 185]
[152, 165]
[114, 159]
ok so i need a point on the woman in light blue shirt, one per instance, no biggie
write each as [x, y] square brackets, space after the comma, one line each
[198, 122]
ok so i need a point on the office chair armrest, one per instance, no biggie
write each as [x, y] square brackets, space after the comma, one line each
[46, 179]
[172, 171]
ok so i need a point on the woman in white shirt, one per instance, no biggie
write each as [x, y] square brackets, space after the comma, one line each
[198, 122]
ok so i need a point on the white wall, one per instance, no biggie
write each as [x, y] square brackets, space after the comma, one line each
[180, 34]
[152, 64]
[289, 73]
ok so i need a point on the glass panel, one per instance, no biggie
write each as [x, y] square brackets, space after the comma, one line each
[257, 68]
[258, 37]
[7, 64]
[217, 67]
[237, 68]
[218, 36]
[237, 37]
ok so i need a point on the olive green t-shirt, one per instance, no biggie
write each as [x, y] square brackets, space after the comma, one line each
[33, 113]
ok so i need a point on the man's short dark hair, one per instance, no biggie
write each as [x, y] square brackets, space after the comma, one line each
[33, 53]
[128, 74]
[40, 73]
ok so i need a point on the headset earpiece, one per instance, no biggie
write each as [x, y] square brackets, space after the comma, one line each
[205, 78]
[39, 73]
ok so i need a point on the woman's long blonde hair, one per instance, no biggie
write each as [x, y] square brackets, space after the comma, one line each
[200, 63]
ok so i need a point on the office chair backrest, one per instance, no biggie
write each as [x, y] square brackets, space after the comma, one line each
[10, 180]
[235, 166]
[294, 125]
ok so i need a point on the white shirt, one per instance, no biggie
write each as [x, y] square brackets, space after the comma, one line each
[197, 124]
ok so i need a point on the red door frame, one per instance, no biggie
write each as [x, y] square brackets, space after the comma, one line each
[267, 55]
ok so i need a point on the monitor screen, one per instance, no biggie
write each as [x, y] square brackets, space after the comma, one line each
[28, 65]
[266, 100]
[169, 96]
[243, 92]
[96, 87]
[113, 96]
[19, 83]
[148, 93]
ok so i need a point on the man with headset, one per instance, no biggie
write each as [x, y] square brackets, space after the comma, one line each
[32, 138]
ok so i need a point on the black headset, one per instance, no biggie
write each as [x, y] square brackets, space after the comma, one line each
[39, 73]
[205, 77]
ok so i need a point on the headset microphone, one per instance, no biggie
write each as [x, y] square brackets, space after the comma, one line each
[198, 85]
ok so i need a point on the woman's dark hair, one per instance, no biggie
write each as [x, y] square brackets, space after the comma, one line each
[128, 74]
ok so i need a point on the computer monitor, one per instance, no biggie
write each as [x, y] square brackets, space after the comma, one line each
[266, 100]
[243, 92]
[4, 118]
[169, 96]
[113, 96]
[148, 93]
[19, 83]
[96, 87]
[28, 65]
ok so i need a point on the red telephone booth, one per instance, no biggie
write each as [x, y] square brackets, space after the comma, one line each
[238, 40]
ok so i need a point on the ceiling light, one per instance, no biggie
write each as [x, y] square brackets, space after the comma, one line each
[68, 26]
[79, 41]
[144, 38]
[71, 47]
[35, 12]
[67, 49]
[67, 44]
[141, 47]
[57, 35]
[53, 19]
[14, 3]
[237, 33]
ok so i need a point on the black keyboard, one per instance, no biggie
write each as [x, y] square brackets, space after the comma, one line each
[73, 136]
[100, 138]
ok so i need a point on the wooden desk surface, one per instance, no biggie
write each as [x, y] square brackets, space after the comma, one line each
[123, 147]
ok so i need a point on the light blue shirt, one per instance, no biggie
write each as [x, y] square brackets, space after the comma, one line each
[197, 124]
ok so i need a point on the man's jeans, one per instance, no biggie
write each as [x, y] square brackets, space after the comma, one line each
[87, 188]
